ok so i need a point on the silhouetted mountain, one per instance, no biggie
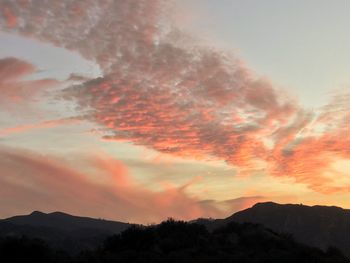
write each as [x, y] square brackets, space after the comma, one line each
[236, 238]
[67, 222]
[63, 231]
[177, 241]
[319, 226]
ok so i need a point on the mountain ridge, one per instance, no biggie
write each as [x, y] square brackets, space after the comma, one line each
[319, 225]
[64, 220]
[61, 230]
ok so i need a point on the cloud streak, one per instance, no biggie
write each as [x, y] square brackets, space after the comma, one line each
[42, 125]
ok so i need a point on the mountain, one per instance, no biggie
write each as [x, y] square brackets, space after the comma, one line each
[66, 222]
[319, 226]
[177, 241]
[62, 231]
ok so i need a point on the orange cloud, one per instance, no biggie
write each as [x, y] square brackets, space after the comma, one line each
[30, 181]
[308, 147]
[308, 158]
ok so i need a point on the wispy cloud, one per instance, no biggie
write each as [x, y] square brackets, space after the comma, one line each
[17, 92]
[33, 126]
[30, 181]
[310, 147]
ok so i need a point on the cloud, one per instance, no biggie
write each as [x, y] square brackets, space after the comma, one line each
[17, 92]
[236, 204]
[310, 146]
[77, 78]
[30, 181]
[241, 203]
[160, 91]
[11, 19]
[41, 125]
[12, 69]
[155, 91]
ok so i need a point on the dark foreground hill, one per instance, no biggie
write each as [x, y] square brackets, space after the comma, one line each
[62, 231]
[173, 241]
[319, 226]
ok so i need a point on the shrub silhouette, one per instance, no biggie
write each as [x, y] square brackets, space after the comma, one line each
[14, 249]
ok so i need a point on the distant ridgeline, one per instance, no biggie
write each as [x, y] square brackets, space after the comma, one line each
[62, 231]
[291, 232]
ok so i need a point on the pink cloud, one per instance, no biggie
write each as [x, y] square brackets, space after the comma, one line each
[13, 68]
[242, 203]
[182, 98]
[41, 125]
[16, 91]
[157, 94]
[31, 181]
[11, 19]
[307, 148]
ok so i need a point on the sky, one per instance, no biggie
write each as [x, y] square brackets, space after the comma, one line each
[141, 110]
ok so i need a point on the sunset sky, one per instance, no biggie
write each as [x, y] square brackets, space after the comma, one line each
[140, 110]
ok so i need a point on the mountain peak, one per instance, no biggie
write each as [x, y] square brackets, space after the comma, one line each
[36, 213]
[66, 222]
[269, 203]
[60, 214]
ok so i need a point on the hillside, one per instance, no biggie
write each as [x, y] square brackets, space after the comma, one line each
[319, 226]
[63, 231]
